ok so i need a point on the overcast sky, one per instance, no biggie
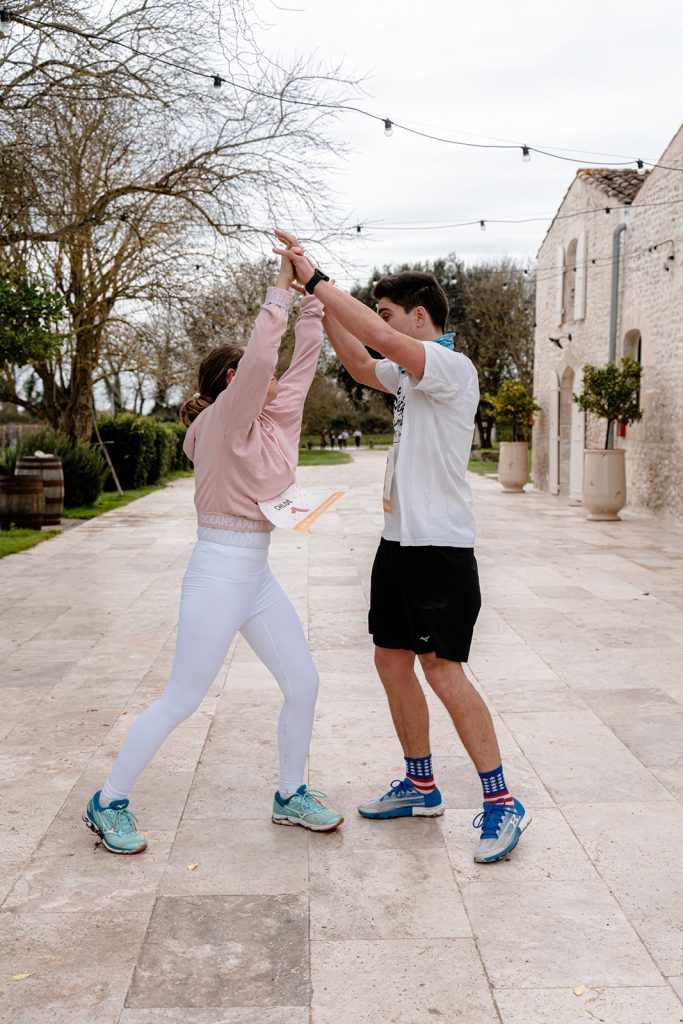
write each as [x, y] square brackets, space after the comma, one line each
[598, 77]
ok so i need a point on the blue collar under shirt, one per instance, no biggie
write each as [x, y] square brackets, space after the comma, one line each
[445, 340]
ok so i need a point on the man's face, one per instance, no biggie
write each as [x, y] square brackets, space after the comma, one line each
[396, 317]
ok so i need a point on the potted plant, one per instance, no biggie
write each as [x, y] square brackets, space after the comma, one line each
[513, 404]
[613, 393]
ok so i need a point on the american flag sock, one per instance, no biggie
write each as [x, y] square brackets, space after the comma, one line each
[419, 774]
[495, 790]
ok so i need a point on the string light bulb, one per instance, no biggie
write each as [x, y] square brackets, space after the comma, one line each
[217, 81]
[358, 229]
[641, 167]
[388, 127]
[5, 22]
[482, 225]
[526, 154]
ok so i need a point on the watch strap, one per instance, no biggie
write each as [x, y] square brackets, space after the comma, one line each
[317, 277]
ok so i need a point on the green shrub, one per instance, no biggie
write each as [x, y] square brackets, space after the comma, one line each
[83, 466]
[612, 393]
[132, 446]
[371, 423]
[513, 404]
[164, 450]
[142, 448]
[84, 473]
[179, 460]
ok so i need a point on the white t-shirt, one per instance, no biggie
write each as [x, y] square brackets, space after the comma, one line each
[427, 497]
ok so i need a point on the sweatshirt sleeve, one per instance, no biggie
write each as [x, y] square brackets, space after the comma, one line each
[287, 408]
[242, 401]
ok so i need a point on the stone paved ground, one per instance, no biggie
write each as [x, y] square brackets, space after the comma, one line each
[579, 652]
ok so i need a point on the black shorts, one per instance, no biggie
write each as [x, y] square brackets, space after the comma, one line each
[424, 599]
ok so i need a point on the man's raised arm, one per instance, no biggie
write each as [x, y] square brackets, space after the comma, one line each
[357, 318]
[352, 353]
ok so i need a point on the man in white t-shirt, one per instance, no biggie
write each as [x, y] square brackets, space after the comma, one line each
[425, 595]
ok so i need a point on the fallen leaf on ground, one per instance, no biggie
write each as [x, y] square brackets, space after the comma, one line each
[579, 990]
[20, 977]
[192, 867]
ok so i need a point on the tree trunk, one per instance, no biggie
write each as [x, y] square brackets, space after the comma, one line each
[77, 418]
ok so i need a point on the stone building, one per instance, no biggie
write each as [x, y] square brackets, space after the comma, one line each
[610, 268]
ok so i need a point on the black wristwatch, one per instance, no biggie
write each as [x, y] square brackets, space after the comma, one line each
[318, 276]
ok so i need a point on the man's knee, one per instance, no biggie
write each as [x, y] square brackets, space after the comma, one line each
[441, 673]
[390, 661]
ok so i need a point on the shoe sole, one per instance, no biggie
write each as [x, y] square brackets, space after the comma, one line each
[405, 812]
[283, 819]
[524, 824]
[112, 849]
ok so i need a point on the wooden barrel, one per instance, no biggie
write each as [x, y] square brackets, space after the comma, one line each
[49, 468]
[22, 502]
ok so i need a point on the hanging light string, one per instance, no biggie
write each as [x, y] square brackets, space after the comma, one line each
[388, 123]
[603, 262]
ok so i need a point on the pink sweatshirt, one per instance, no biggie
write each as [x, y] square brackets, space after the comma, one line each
[243, 453]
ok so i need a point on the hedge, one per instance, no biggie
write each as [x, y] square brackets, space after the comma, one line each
[142, 449]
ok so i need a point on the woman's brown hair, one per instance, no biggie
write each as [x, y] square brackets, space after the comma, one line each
[213, 370]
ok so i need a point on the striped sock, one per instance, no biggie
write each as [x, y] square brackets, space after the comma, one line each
[495, 790]
[419, 773]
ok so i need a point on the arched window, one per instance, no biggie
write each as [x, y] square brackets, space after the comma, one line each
[633, 348]
[633, 345]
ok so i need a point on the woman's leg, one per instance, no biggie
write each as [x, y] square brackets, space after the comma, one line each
[275, 635]
[217, 593]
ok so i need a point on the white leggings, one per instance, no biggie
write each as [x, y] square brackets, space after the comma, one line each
[226, 589]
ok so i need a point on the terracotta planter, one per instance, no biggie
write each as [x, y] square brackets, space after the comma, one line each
[513, 465]
[604, 483]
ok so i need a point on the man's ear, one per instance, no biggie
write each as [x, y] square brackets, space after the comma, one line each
[229, 375]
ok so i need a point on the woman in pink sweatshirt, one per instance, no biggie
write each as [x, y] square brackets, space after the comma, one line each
[243, 437]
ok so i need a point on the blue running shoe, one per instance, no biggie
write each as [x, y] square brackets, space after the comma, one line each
[501, 829]
[404, 801]
[115, 825]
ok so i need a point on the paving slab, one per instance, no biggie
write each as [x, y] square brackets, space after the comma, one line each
[227, 919]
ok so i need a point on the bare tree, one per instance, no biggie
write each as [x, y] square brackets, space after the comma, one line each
[125, 173]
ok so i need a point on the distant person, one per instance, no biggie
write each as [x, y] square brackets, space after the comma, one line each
[357, 435]
[323, 439]
[425, 595]
[243, 437]
[333, 438]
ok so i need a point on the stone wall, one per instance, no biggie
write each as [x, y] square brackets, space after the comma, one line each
[590, 334]
[652, 304]
[650, 309]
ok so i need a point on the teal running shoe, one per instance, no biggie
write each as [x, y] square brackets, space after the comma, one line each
[403, 800]
[501, 829]
[115, 825]
[305, 808]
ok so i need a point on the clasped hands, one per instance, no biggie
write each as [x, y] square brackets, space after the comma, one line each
[294, 259]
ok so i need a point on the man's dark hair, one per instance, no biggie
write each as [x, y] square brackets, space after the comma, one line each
[413, 288]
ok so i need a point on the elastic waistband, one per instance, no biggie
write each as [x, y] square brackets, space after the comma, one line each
[240, 524]
[233, 538]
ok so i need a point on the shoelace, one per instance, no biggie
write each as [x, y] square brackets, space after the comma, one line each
[310, 798]
[123, 821]
[490, 818]
[398, 788]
